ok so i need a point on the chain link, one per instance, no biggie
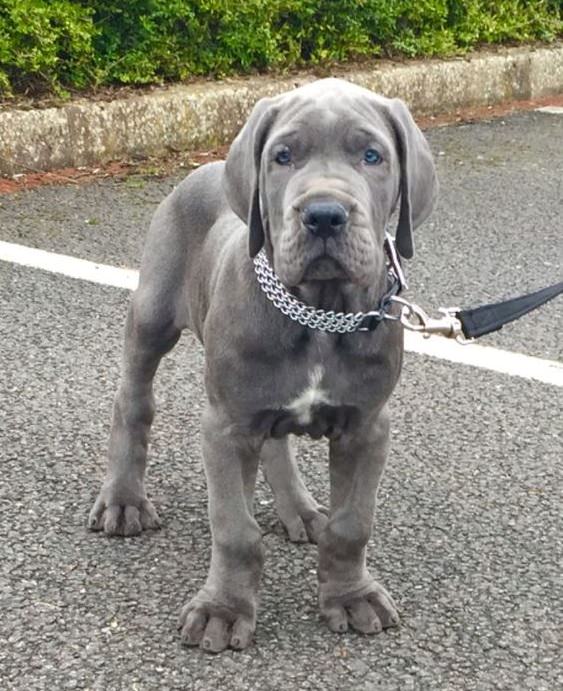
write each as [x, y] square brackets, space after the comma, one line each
[288, 304]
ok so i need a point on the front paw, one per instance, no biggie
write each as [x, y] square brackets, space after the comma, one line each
[368, 609]
[121, 511]
[214, 626]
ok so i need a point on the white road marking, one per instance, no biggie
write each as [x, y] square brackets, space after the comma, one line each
[487, 357]
[484, 357]
[554, 110]
[69, 266]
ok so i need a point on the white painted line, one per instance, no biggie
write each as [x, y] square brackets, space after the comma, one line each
[554, 110]
[484, 357]
[69, 266]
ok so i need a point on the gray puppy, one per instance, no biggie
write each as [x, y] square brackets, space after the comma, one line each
[313, 178]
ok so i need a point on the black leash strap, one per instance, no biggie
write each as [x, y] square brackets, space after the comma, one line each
[488, 318]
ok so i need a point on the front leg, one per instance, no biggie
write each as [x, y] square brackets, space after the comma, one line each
[348, 594]
[223, 613]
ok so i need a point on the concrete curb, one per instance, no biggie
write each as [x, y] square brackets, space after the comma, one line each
[202, 115]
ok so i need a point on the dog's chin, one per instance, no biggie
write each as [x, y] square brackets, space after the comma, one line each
[325, 268]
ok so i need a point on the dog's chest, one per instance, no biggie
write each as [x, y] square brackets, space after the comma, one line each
[313, 410]
[317, 386]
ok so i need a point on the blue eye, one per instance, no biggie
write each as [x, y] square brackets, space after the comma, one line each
[372, 157]
[283, 157]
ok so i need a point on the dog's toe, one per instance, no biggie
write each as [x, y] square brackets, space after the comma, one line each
[336, 619]
[243, 630]
[149, 517]
[216, 636]
[296, 530]
[191, 625]
[363, 617]
[113, 523]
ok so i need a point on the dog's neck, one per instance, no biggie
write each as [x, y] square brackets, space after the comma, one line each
[340, 296]
[336, 294]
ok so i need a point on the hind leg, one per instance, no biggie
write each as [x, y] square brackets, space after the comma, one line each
[122, 507]
[156, 316]
[302, 517]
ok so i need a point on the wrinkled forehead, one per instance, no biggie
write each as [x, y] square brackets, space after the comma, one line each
[332, 117]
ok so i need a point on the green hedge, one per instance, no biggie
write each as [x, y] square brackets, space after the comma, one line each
[50, 45]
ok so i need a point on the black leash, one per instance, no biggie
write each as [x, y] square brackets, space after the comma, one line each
[488, 318]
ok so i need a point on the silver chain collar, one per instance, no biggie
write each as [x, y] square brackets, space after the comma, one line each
[323, 320]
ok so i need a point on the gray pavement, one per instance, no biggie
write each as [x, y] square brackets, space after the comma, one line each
[468, 529]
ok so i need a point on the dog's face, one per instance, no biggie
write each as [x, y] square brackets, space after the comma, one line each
[328, 163]
[331, 181]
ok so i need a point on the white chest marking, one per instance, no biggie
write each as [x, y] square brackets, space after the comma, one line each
[311, 396]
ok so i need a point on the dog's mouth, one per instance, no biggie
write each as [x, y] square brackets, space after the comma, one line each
[325, 268]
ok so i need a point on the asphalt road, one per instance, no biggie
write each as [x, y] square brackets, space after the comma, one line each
[468, 531]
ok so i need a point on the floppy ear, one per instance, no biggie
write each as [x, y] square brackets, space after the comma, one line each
[418, 182]
[242, 171]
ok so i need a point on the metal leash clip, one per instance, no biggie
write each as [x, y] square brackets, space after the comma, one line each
[414, 318]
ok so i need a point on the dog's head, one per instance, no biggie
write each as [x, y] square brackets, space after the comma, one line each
[316, 173]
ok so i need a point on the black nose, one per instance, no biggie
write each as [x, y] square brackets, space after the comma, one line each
[324, 219]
